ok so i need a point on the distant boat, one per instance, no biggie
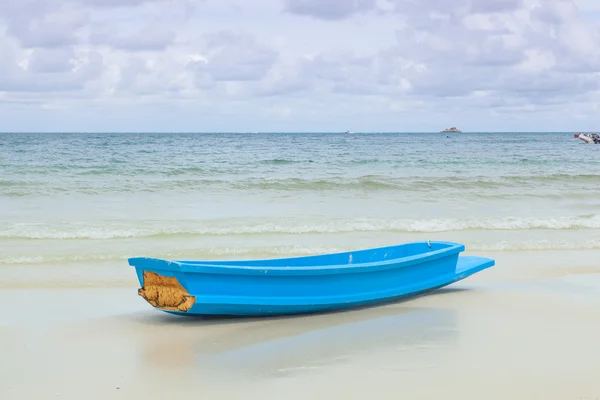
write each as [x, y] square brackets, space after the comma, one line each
[303, 284]
[588, 138]
[453, 129]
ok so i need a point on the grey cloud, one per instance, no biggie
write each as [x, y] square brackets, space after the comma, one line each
[554, 13]
[579, 65]
[445, 50]
[495, 6]
[16, 79]
[453, 82]
[129, 73]
[459, 60]
[37, 6]
[116, 3]
[283, 80]
[419, 10]
[493, 51]
[344, 73]
[138, 77]
[515, 53]
[57, 23]
[234, 56]
[51, 61]
[456, 7]
[339, 72]
[328, 10]
[149, 38]
[458, 49]
[45, 27]
[549, 83]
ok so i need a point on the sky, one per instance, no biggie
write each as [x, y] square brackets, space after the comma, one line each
[299, 65]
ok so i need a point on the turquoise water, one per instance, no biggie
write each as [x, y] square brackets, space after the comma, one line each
[90, 199]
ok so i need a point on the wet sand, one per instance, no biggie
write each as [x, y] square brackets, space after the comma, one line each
[523, 329]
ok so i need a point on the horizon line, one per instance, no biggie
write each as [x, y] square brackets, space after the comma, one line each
[275, 132]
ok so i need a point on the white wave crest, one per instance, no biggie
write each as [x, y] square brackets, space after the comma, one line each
[70, 231]
[214, 253]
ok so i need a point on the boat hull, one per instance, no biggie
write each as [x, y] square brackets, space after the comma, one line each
[255, 288]
[588, 138]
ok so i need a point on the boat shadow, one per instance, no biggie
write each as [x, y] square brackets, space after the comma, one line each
[272, 345]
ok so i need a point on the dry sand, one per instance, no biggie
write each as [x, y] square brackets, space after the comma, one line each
[521, 330]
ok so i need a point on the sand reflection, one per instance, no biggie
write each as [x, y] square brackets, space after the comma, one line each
[280, 345]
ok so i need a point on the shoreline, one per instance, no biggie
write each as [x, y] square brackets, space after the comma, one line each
[510, 266]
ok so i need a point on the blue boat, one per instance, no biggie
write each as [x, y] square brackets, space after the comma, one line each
[305, 284]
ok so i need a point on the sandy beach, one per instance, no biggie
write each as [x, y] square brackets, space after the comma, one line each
[526, 328]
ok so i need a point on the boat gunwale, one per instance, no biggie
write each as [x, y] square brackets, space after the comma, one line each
[205, 267]
[473, 265]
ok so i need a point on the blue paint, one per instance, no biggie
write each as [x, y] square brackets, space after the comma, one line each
[316, 283]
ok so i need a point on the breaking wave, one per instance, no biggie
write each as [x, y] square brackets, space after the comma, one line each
[214, 253]
[260, 227]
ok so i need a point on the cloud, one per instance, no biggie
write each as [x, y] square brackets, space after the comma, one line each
[151, 37]
[53, 61]
[328, 10]
[234, 56]
[39, 24]
[315, 62]
[47, 70]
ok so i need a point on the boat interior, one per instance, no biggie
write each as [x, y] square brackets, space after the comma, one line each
[387, 253]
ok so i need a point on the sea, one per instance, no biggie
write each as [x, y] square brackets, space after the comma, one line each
[75, 206]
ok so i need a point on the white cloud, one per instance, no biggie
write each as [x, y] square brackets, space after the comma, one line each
[299, 64]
